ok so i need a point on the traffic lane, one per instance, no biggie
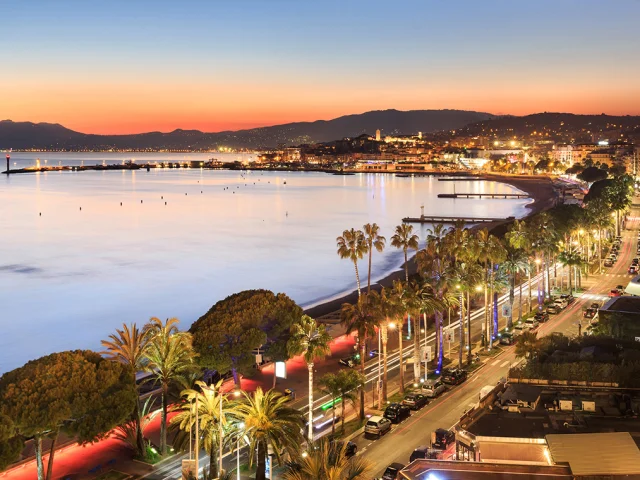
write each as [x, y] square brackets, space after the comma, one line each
[443, 412]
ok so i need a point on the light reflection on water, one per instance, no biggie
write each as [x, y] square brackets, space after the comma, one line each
[70, 276]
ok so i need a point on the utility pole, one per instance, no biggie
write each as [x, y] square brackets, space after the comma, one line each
[8, 159]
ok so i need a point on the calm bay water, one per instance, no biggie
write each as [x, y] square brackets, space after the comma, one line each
[71, 275]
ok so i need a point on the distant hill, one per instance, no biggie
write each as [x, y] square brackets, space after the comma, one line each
[580, 127]
[23, 135]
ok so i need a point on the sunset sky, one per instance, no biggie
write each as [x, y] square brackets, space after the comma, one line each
[133, 66]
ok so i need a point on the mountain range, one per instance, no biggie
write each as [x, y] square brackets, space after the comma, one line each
[27, 135]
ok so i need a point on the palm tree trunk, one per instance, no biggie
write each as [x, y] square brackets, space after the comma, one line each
[52, 451]
[343, 415]
[383, 333]
[570, 280]
[37, 443]
[529, 287]
[310, 432]
[369, 277]
[163, 419]
[261, 466]
[493, 318]
[487, 314]
[355, 264]
[468, 327]
[461, 326]
[333, 414]
[401, 357]
[363, 349]
[406, 267]
[512, 294]
[213, 463]
[519, 303]
[417, 367]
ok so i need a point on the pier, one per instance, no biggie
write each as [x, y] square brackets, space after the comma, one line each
[483, 195]
[453, 219]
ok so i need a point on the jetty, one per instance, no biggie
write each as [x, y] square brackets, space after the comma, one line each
[453, 219]
[483, 195]
[460, 179]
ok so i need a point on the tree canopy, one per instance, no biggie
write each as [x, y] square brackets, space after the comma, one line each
[592, 174]
[225, 336]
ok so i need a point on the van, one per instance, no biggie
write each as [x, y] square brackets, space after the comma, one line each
[433, 388]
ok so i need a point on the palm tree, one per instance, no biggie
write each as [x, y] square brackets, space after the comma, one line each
[426, 303]
[128, 346]
[311, 340]
[385, 310]
[373, 240]
[571, 259]
[400, 303]
[341, 385]
[329, 385]
[329, 461]
[269, 421]
[207, 400]
[515, 262]
[169, 356]
[468, 275]
[405, 239]
[360, 318]
[353, 246]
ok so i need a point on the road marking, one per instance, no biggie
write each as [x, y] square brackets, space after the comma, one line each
[504, 364]
[495, 363]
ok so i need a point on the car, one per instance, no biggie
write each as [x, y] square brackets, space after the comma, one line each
[541, 317]
[442, 438]
[608, 262]
[454, 376]
[505, 338]
[635, 261]
[595, 305]
[397, 412]
[632, 270]
[415, 401]
[532, 324]
[373, 353]
[350, 448]
[567, 297]
[433, 388]
[620, 287]
[519, 329]
[392, 472]
[615, 293]
[377, 426]
[589, 312]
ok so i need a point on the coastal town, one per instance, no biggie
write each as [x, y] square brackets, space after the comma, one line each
[325, 240]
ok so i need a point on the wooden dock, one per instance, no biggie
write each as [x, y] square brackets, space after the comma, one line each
[483, 195]
[452, 219]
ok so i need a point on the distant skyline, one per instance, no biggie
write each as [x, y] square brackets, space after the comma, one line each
[128, 67]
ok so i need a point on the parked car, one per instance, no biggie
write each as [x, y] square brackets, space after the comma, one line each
[377, 426]
[415, 401]
[620, 287]
[634, 261]
[433, 388]
[557, 306]
[541, 317]
[532, 324]
[567, 297]
[615, 293]
[608, 262]
[392, 472]
[397, 412]
[519, 329]
[350, 448]
[505, 338]
[454, 377]
[632, 270]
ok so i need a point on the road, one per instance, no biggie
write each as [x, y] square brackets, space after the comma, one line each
[444, 412]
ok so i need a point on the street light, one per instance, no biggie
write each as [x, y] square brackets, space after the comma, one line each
[240, 428]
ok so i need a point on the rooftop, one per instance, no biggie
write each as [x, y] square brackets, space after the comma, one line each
[452, 470]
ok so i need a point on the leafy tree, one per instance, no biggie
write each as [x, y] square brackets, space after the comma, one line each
[311, 340]
[268, 420]
[527, 344]
[515, 262]
[360, 318]
[592, 174]
[127, 346]
[77, 392]
[385, 309]
[170, 356]
[352, 245]
[327, 460]
[226, 335]
[406, 240]
[11, 444]
[375, 241]
[349, 382]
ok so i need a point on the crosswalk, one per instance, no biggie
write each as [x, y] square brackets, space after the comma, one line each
[594, 296]
[617, 275]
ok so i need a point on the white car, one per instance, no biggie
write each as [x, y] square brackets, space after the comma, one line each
[433, 388]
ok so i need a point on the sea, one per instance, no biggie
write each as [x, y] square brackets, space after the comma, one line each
[83, 252]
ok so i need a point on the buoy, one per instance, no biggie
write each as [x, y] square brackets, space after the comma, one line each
[200, 191]
[40, 213]
[185, 193]
[120, 203]
[80, 208]
[140, 201]
[162, 197]
[165, 203]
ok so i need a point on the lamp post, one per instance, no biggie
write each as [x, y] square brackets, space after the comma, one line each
[459, 288]
[538, 262]
[390, 326]
[240, 427]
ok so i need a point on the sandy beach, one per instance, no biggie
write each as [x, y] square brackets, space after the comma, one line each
[539, 188]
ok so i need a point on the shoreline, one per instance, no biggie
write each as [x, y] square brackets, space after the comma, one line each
[539, 188]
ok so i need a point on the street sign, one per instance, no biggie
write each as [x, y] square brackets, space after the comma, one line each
[506, 310]
[425, 354]
[281, 370]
